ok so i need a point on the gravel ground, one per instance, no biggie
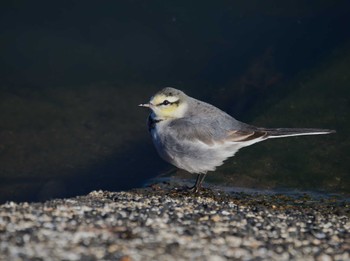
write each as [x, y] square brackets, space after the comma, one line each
[157, 223]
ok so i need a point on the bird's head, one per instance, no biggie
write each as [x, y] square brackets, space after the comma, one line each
[169, 103]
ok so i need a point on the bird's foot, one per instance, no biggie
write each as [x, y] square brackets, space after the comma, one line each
[194, 189]
[186, 190]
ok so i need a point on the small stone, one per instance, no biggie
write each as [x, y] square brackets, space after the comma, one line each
[225, 213]
[125, 258]
[216, 218]
[324, 257]
[216, 258]
[205, 218]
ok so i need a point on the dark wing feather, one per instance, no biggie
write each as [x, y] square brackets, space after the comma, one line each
[246, 135]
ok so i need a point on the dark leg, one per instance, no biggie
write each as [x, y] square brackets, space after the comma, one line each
[197, 186]
[198, 181]
[201, 180]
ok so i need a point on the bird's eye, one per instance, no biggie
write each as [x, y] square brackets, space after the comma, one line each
[166, 102]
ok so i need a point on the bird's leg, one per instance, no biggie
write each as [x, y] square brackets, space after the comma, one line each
[198, 184]
[195, 188]
[201, 180]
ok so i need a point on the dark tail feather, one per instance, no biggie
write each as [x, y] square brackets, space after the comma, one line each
[288, 132]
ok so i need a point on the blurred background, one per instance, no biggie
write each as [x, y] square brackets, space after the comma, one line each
[73, 72]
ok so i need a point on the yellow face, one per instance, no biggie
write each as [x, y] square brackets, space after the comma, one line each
[168, 106]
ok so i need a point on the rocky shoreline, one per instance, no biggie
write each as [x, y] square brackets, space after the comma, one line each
[158, 223]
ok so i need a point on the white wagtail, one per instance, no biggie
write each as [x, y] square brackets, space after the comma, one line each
[198, 137]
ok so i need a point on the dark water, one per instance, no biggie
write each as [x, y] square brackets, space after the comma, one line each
[73, 73]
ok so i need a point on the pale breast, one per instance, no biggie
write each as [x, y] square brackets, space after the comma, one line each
[160, 141]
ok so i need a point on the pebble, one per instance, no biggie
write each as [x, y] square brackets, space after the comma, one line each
[158, 224]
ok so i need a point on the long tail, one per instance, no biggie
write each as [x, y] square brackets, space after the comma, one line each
[289, 132]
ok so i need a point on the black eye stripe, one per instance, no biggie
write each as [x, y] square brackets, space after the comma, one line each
[166, 102]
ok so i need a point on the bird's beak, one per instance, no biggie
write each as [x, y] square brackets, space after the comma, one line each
[148, 105]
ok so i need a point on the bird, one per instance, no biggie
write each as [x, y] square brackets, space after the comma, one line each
[198, 137]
